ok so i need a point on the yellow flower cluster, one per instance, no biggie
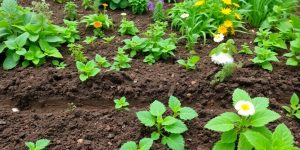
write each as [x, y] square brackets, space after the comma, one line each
[228, 11]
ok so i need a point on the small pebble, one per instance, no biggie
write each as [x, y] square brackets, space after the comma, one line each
[15, 110]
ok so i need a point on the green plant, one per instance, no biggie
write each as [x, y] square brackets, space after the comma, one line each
[86, 4]
[294, 109]
[223, 54]
[246, 49]
[98, 22]
[108, 40]
[115, 4]
[59, 65]
[159, 13]
[90, 39]
[121, 61]
[246, 130]
[128, 27]
[135, 44]
[70, 11]
[144, 144]
[39, 145]
[259, 11]
[226, 72]
[121, 103]
[138, 6]
[264, 57]
[294, 54]
[70, 33]
[28, 37]
[87, 70]
[102, 61]
[42, 7]
[191, 62]
[168, 127]
[76, 52]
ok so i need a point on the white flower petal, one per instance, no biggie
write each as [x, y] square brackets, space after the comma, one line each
[222, 58]
[241, 111]
[219, 38]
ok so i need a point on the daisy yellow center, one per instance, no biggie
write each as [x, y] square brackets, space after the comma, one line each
[245, 107]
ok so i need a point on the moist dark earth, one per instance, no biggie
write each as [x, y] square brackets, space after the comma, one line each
[43, 94]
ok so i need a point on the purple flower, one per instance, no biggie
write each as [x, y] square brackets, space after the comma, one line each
[151, 6]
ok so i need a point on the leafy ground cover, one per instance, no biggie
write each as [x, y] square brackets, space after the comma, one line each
[56, 105]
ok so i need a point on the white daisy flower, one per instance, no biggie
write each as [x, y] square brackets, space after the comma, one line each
[123, 14]
[222, 58]
[245, 108]
[15, 110]
[185, 15]
[218, 38]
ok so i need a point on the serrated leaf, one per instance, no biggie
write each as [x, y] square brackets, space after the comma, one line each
[239, 95]
[263, 117]
[174, 104]
[157, 108]
[260, 103]
[175, 142]
[129, 146]
[169, 120]
[256, 139]
[155, 135]
[244, 144]
[224, 122]
[187, 113]
[146, 118]
[177, 127]
[224, 146]
[145, 144]
[229, 137]
[282, 138]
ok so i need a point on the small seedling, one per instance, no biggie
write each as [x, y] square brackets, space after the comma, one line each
[294, 109]
[121, 61]
[102, 61]
[246, 49]
[87, 70]
[108, 40]
[226, 72]
[90, 39]
[144, 144]
[59, 65]
[39, 145]
[190, 64]
[121, 103]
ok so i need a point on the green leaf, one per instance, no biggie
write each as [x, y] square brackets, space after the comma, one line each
[294, 100]
[263, 117]
[256, 139]
[187, 113]
[145, 144]
[264, 131]
[169, 121]
[282, 138]
[224, 146]
[10, 61]
[155, 135]
[157, 108]
[239, 95]
[83, 77]
[146, 118]
[292, 62]
[267, 65]
[30, 145]
[22, 39]
[224, 122]
[244, 144]
[297, 114]
[42, 144]
[260, 103]
[2, 47]
[175, 142]
[174, 104]
[229, 137]
[129, 146]
[287, 109]
[177, 127]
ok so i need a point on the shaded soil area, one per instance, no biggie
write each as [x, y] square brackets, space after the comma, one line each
[43, 94]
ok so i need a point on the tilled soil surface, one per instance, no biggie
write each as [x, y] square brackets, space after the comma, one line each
[43, 94]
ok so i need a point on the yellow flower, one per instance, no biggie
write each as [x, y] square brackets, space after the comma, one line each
[232, 31]
[199, 2]
[236, 5]
[227, 2]
[237, 16]
[228, 23]
[222, 29]
[226, 11]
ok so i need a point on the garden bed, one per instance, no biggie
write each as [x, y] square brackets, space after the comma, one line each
[43, 94]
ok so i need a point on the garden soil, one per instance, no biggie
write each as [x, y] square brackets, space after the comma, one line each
[47, 97]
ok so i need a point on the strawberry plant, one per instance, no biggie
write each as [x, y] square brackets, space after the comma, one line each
[294, 109]
[121, 61]
[127, 27]
[168, 128]
[101, 61]
[39, 145]
[87, 70]
[264, 57]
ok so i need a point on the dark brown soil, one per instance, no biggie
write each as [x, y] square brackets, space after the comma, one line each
[43, 94]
